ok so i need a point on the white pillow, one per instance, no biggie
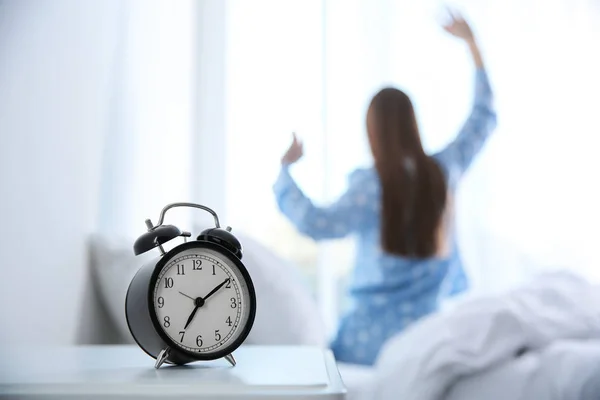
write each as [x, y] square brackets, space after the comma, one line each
[113, 267]
[286, 312]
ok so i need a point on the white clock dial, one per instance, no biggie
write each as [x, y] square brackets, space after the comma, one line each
[201, 300]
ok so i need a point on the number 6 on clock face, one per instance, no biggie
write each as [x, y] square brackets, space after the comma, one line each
[202, 302]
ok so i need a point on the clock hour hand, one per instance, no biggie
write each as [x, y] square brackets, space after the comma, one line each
[199, 302]
[215, 289]
[189, 321]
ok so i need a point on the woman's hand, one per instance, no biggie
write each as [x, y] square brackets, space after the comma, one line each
[294, 153]
[459, 28]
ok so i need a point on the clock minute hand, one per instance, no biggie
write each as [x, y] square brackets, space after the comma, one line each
[215, 289]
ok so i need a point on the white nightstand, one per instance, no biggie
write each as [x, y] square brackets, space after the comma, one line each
[126, 372]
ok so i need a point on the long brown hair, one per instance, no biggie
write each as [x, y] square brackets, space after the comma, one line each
[413, 188]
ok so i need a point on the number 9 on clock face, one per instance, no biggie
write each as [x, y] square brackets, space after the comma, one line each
[202, 302]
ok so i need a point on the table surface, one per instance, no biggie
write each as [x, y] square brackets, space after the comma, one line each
[290, 372]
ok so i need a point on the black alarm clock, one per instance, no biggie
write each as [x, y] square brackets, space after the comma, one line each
[194, 302]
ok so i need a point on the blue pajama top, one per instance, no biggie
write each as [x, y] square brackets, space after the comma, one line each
[388, 292]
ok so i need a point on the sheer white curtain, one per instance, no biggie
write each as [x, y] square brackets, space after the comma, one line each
[274, 85]
[166, 140]
[146, 153]
[529, 202]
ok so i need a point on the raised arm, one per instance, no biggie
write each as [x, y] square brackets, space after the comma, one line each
[459, 154]
[475, 53]
[334, 221]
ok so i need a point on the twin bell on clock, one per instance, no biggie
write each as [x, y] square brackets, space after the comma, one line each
[194, 302]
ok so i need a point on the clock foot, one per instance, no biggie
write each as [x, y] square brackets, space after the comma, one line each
[162, 356]
[229, 357]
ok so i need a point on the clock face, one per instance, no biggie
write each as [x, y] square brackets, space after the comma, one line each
[203, 301]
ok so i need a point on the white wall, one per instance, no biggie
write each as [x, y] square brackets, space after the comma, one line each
[55, 62]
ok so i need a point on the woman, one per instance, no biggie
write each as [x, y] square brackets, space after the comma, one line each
[401, 210]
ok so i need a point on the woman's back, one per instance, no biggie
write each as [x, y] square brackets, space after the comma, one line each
[386, 292]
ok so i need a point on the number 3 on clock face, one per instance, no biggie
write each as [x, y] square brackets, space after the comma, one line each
[201, 302]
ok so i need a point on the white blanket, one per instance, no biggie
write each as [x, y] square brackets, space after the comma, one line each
[426, 361]
[565, 370]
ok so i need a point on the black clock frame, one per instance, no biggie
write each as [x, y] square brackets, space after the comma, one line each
[143, 322]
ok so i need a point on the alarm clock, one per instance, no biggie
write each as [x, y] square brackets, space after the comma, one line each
[194, 302]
